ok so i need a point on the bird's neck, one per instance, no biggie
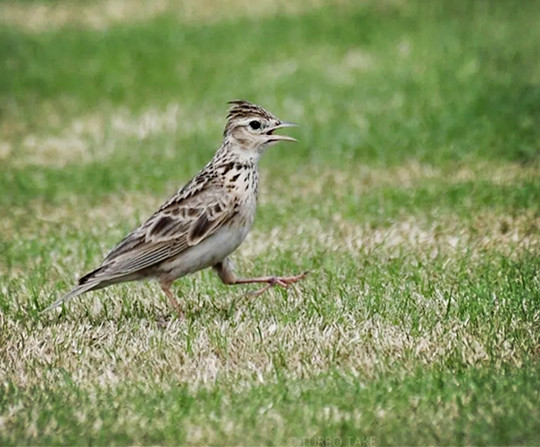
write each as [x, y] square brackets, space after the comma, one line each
[231, 153]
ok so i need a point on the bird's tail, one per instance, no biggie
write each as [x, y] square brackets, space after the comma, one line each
[82, 288]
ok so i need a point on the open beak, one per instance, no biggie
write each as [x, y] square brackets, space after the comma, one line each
[275, 138]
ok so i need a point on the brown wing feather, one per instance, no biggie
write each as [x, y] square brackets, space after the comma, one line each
[194, 191]
[184, 221]
[198, 229]
[206, 224]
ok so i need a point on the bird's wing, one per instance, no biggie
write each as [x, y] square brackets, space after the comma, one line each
[184, 221]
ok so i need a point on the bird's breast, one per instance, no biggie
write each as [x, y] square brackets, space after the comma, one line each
[207, 253]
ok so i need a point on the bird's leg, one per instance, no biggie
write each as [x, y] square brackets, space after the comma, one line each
[225, 270]
[271, 281]
[166, 287]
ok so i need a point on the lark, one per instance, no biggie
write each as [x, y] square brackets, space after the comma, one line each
[205, 221]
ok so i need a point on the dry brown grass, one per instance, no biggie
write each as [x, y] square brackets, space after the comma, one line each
[201, 350]
[242, 349]
[39, 17]
[415, 314]
[96, 136]
[448, 236]
[406, 175]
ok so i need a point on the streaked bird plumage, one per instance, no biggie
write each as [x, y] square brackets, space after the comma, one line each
[205, 221]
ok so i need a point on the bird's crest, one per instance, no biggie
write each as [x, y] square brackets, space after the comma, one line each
[240, 108]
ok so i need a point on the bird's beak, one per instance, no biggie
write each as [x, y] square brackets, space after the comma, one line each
[275, 138]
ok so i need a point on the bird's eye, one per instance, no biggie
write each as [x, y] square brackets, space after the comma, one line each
[255, 124]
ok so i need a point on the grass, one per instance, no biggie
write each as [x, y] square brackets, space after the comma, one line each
[465, 405]
[413, 198]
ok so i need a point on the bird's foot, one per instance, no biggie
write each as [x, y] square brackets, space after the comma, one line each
[282, 281]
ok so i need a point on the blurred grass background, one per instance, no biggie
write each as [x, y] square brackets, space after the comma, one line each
[413, 196]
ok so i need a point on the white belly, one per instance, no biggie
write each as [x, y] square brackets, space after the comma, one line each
[206, 254]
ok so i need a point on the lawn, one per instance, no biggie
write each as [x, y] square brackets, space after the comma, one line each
[413, 198]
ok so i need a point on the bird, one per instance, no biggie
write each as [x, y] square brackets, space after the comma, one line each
[204, 221]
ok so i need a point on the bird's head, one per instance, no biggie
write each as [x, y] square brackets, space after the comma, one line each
[250, 128]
